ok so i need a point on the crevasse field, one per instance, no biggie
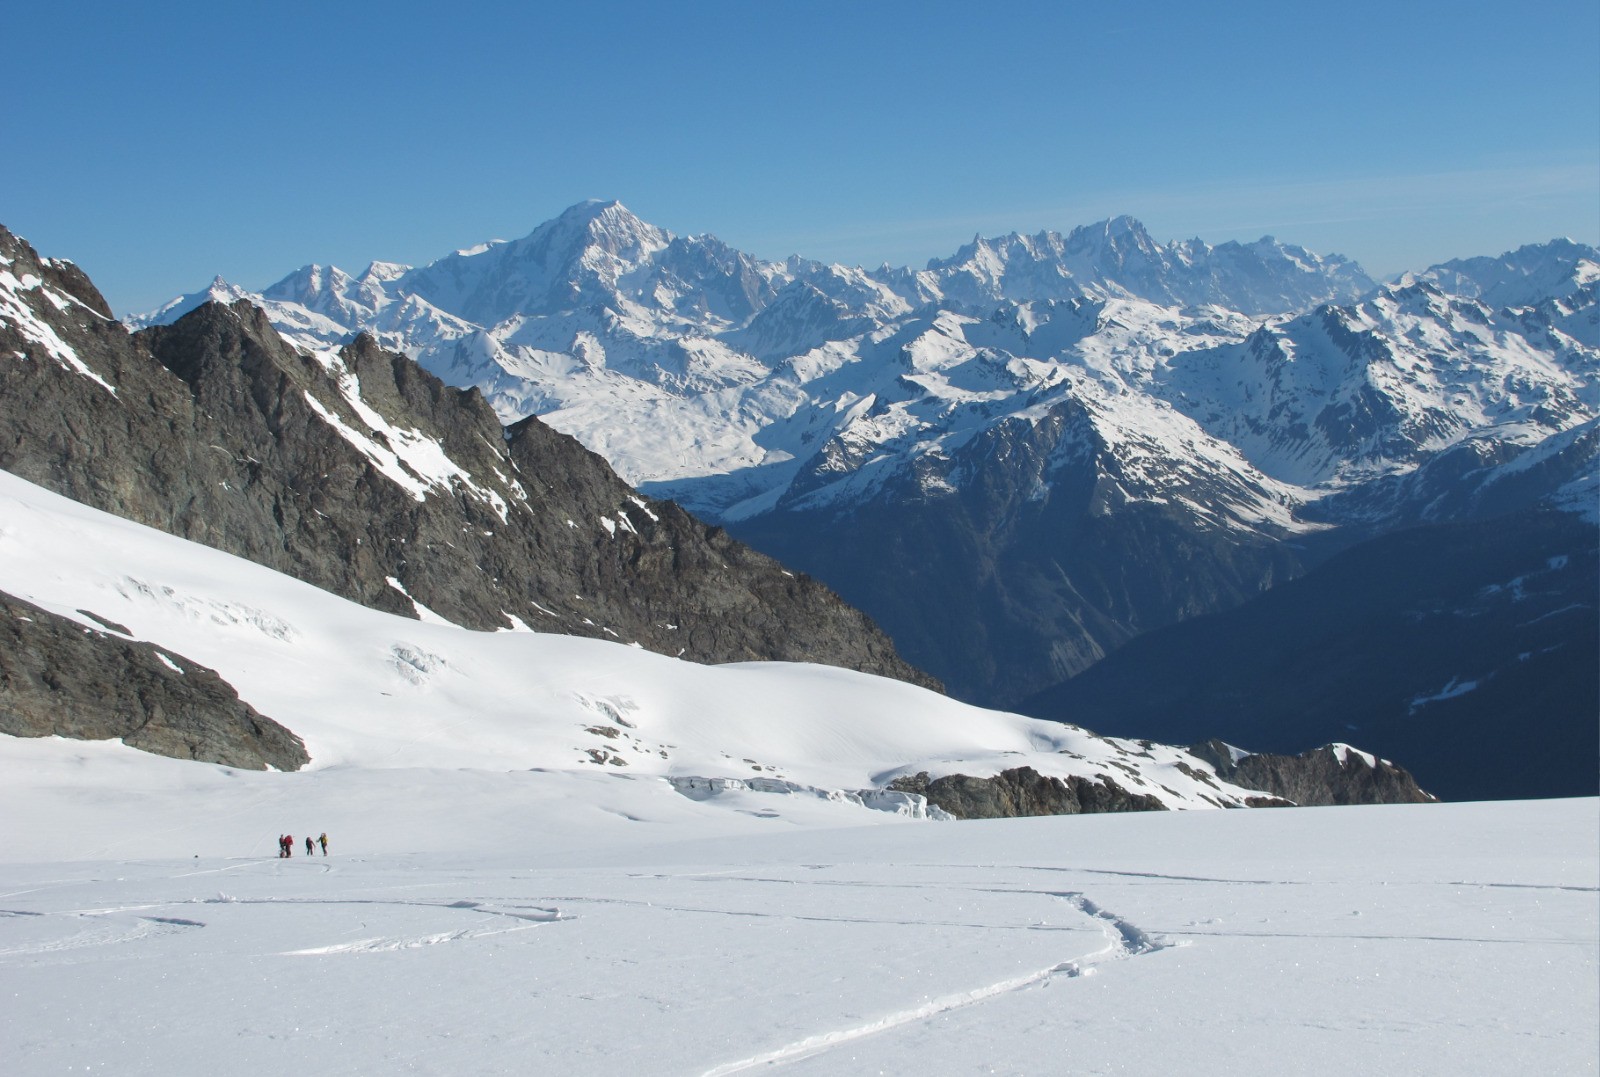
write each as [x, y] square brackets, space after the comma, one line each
[496, 901]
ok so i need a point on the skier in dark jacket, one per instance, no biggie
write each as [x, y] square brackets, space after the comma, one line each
[310, 845]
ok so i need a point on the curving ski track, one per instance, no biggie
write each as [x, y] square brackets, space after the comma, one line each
[1124, 940]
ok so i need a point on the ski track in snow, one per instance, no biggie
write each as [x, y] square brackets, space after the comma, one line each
[110, 931]
[531, 916]
[1124, 940]
[1534, 886]
[382, 944]
[1158, 876]
[117, 929]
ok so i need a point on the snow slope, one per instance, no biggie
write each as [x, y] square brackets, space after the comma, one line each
[369, 689]
[591, 925]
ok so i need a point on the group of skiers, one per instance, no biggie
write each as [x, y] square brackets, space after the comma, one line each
[286, 845]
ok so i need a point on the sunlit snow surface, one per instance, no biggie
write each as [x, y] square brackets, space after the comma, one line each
[490, 906]
[497, 900]
[543, 922]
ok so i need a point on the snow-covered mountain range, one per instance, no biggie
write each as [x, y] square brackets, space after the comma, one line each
[680, 358]
[1035, 400]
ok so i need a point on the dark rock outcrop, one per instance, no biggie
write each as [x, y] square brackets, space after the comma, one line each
[58, 678]
[1023, 791]
[1332, 774]
[364, 475]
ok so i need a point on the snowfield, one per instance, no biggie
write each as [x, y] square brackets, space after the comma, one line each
[557, 855]
[544, 922]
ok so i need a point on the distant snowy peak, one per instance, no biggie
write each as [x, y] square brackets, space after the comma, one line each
[798, 318]
[218, 291]
[574, 260]
[1118, 257]
[1524, 277]
[601, 255]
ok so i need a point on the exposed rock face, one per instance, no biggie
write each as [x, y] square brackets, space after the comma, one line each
[58, 678]
[360, 473]
[1023, 791]
[1332, 774]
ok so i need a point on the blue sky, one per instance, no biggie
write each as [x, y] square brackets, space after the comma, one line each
[158, 145]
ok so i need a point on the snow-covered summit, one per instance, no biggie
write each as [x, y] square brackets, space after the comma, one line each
[577, 259]
[1344, 392]
[218, 291]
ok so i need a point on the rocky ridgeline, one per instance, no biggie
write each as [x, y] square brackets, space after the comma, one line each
[1023, 791]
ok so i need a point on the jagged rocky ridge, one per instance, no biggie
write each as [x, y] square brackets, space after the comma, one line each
[1021, 792]
[358, 472]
